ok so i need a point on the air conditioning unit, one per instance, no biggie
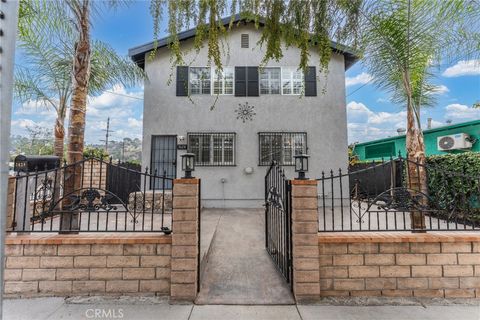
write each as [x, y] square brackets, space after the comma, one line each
[454, 142]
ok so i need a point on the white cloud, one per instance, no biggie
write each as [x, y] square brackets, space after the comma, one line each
[19, 126]
[134, 123]
[440, 89]
[365, 124]
[34, 107]
[23, 123]
[460, 112]
[362, 78]
[463, 68]
[382, 100]
[123, 107]
[436, 124]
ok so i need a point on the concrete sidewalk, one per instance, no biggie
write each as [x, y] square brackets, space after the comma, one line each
[152, 308]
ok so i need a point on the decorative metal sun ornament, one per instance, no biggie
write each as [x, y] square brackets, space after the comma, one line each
[245, 112]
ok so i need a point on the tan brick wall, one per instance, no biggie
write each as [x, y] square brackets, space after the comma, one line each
[306, 284]
[94, 172]
[185, 250]
[106, 265]
[400, 265]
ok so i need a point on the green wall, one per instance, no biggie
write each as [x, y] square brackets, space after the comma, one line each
[371, 150]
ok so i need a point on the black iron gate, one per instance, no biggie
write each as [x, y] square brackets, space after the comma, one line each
[278, 220]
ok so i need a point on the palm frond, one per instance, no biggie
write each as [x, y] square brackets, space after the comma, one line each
[108, 69]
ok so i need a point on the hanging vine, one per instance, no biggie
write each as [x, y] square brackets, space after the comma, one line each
[305, 24]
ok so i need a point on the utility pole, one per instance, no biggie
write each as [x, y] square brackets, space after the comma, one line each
[107, 134]
[8, 32]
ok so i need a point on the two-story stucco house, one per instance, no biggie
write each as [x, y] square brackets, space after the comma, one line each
[262, 114]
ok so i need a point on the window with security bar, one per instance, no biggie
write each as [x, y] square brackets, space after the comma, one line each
[281, 147]
[212, 149]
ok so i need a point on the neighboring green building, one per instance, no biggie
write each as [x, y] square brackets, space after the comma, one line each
[375, 150]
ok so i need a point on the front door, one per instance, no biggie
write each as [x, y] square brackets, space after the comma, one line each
[164, 159]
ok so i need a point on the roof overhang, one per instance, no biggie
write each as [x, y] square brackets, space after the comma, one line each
[137, 54]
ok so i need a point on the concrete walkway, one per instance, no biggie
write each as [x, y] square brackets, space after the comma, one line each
[239, 270]
[58, 308]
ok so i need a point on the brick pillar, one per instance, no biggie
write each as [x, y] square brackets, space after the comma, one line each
[306, 265]
[185, 235]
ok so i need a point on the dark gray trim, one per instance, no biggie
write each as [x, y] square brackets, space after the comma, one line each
[253, 89]
[240, 81]
[182, 81]
[311, 82]
[138, 53]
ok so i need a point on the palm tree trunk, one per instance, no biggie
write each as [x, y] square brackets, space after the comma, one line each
[78, 107]
[416, 174]
[59, 132]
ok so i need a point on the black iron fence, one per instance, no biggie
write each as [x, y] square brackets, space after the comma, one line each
[398, 195]
[92, 195]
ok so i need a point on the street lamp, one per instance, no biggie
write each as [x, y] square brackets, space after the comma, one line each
[188, 164]
[301, 165]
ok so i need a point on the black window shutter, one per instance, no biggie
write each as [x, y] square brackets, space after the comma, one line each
[252, 81]
[240, 81]
[311, 82]
[182, 81]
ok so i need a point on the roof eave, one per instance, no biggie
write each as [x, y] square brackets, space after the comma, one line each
[137, 54]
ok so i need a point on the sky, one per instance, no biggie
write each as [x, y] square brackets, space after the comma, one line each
[370, 113]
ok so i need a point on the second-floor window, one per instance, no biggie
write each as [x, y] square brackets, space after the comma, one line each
[292, 81]
[244, 81]
[270, 81]
[212, 149]
[223, 81]
[200, 80]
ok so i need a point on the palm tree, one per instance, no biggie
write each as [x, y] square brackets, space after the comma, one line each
[47, 45]
[404, 41]
[65, 66]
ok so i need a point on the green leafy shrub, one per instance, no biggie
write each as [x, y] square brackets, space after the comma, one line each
[97, 153]
[454, 184]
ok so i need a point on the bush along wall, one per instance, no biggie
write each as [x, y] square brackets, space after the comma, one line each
[454, 185]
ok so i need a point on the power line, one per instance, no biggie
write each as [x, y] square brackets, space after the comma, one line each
[359, 88]
[123, 95]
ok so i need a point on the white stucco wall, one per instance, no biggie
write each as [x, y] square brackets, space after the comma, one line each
[323, 118]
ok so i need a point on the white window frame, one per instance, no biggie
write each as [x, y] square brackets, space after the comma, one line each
[222, 81]
[211, 135]
[201, 86]
[269, 79]
[291, 71]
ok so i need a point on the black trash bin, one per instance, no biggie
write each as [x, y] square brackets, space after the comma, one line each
[28, 164]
